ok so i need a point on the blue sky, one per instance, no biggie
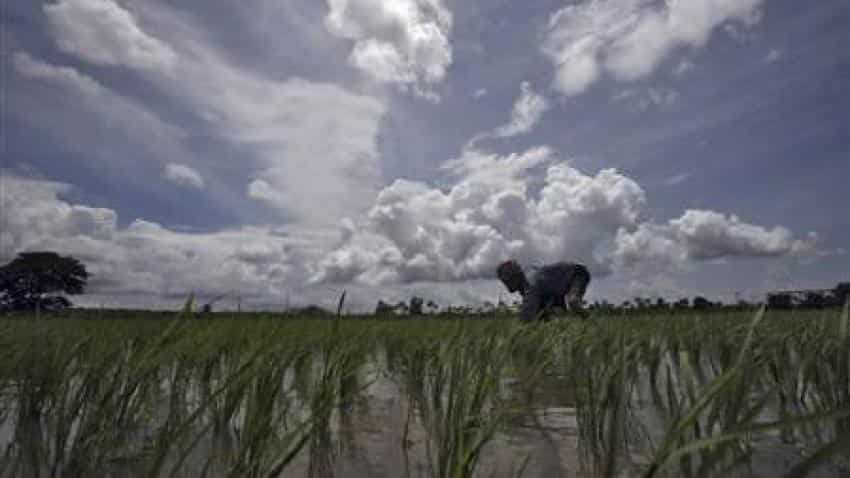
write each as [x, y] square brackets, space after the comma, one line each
[296, 148]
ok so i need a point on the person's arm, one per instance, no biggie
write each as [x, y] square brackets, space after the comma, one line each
[530, 306]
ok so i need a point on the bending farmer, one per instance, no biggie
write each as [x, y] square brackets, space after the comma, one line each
[547, 287]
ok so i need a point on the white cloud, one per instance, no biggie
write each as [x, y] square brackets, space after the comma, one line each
[85, 116]
[311, 150]
[413, 234]
[528, 110]
[104, 33]
[144, 259]
[33, 212]
[405, 42]
[417, 233]
[643, 99]
[683, 67]
[628, 39]
[65, 77]
[183, 175]
[313, 144]
[742, 32]
[773, 55]
[261, 190]
[703, 235]
[677, 179]
[148, 265]
[479, 93]
[710, 235]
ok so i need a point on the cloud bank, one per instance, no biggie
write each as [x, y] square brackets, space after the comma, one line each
[144, 259]
[415, 232]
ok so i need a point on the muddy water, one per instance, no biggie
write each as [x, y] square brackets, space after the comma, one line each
[543, 443]
[381, 435]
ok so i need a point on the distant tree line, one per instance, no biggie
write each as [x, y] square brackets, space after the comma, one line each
[36, 281]
[811, 299]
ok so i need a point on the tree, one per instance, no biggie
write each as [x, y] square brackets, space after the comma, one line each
[682, 303]
[842, 292]
[26, 281]
[432, 307]
[814, 300]
[383, 308]
[416, 304]
[401, 308]
[782, 300]
[701, 303]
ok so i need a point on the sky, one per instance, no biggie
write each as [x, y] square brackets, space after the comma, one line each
[286, 150]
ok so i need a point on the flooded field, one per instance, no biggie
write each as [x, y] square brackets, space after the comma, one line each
[740, 394]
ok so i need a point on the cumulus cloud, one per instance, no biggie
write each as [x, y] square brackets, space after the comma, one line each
[33, 212]
[702, 235]
[146, 264]
[104, 33]
[404, 42]
[415, 232]
[628, 39]
[183, 175]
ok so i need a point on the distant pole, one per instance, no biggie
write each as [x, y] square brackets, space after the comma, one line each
[239, 302]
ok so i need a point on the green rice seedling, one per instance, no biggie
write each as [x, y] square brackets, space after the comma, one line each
[266, 442]
[603, 370]
[662, 395]
[453, 386]
[334, 387]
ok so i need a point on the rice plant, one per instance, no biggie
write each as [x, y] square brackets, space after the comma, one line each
[651, 395]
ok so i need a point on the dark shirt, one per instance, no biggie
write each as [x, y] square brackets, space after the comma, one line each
[547, 287]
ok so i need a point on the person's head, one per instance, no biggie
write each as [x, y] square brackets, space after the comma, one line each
[511, 274]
